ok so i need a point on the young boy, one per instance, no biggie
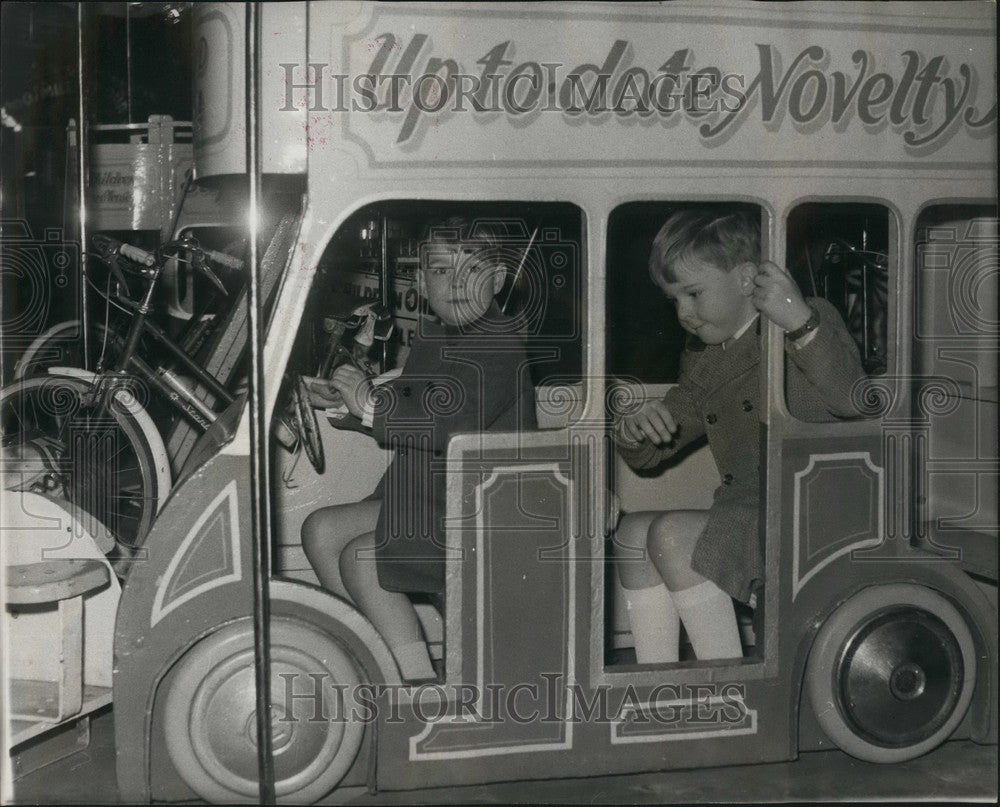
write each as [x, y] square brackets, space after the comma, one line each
[708, 263]
[466, 372]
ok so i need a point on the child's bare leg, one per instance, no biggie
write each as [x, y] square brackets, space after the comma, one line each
[704, 608]
[651, 613]
[390, 612]
[327, 531]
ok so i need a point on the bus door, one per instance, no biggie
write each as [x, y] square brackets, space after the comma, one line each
[826, 481]
[520, 519]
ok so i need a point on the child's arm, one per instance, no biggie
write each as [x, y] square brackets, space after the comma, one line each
[660, 428]
[778, 298]
[439, 398]
[830, 361]
[821, 346]
[355, 388]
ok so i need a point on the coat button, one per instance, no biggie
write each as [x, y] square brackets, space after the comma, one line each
[747, 406]
[406, 392]
[727, 479]
[710, 418]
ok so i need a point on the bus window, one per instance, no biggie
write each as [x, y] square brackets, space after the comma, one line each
[479, 307]
[840, 252]
[643, 339]
[956, 293]
[645, 344]
[539, 243]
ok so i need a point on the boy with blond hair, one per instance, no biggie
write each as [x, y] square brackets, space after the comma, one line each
[698, 561]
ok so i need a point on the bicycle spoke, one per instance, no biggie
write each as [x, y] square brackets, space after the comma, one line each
[103, 462]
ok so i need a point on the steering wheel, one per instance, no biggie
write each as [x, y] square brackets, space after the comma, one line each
[307, 426]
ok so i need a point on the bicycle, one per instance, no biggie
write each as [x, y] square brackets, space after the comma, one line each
[87, 435]
[52, 424]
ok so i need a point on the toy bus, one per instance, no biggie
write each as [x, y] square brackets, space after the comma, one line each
[862, 136]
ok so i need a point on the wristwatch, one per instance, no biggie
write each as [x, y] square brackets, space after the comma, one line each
[808, 326]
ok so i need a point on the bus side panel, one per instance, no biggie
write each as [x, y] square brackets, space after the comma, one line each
[191, 577]
[520, 673]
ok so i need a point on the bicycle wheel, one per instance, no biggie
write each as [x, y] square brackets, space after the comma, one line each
[55, 438]
[62, 346]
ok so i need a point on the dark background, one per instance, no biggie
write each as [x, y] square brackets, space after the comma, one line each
[39, 86]
[39, 93]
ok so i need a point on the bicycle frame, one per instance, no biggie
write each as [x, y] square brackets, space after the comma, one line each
[163, 379]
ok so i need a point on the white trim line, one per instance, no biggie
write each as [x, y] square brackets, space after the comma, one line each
[815, 459]
[159, 612]
[617, 739]
[467, 753]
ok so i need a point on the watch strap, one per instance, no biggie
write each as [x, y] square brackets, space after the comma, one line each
[808, 326]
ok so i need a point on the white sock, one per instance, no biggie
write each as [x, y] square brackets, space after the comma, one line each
[414, 661]
[655, 625]
[710, 621]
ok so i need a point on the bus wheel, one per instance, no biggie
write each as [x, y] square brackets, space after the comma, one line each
[210, 718]
[891, 673]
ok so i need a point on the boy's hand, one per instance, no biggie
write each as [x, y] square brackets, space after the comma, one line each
[778, 298]
[354, 387]
[653, 422]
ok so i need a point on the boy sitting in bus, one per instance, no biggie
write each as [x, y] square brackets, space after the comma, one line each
[467, 371]
[698, 561]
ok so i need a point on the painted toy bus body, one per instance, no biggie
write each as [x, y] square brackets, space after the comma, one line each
[893, 106]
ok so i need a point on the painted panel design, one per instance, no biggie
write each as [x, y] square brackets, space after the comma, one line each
[522, 663]
[208, 557]
[691, 718]
[838, 507]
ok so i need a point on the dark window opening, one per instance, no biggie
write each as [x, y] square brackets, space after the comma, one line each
[840, 251]
[644, 344]
[644, 341]
[541, 242]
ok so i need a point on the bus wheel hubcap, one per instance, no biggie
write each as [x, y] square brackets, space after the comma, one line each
[900, 677]
[210, 715]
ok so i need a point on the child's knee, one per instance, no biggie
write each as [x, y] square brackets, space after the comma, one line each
[313, 533]
[351, 560]
[672, 538]
[666, 534]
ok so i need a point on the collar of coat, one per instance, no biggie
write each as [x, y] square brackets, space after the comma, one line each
[714, 365]
[493, 323]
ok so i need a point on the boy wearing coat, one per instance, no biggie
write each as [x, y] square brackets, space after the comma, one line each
[467, 371]
[699, 561]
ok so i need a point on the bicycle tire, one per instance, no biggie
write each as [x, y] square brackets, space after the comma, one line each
[105, 466]
[62, 346]
[60, 349]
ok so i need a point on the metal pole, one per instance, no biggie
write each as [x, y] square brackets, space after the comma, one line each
[81, 177]
[128, 57]
[383, 281]
[259, 459]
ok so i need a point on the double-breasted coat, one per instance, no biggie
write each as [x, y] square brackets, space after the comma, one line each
[717, 397]
[470, 378]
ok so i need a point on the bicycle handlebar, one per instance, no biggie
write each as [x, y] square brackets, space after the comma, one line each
[113, 249]
[113, 246]
[137, 255]
[223, 259]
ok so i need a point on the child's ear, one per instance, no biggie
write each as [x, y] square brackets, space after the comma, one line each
[498, 278]
[748, 271]
[421, 284]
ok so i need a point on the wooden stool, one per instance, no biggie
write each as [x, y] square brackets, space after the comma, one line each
[64, 582]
